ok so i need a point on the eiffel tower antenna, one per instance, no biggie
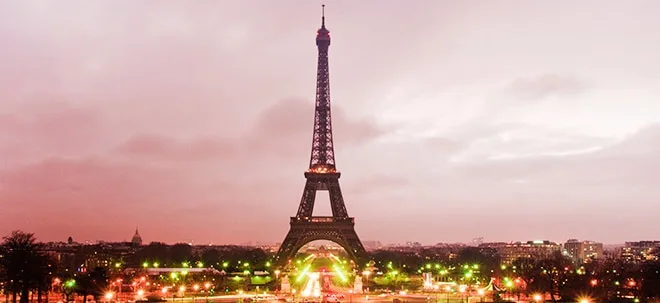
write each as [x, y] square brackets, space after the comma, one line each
[322, 15]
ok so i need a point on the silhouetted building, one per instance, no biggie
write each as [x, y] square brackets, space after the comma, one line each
[583, 251]
[372, 245]
[137, 239]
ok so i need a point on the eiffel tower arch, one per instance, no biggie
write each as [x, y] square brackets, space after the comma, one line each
[322, 176]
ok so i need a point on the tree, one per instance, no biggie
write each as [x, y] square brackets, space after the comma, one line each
[545, 275]
[154, 252]
[45, 268]
[650, 280]
[211, 257]
[93, 283]
[180, 253]
[23, 263]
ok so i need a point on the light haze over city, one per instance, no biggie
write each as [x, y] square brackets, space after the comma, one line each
[508, 120]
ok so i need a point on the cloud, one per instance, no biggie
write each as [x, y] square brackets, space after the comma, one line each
[42, 129]
[281, 131]
[619, 167]
[645, 140]
[517, 140]
[543, 86]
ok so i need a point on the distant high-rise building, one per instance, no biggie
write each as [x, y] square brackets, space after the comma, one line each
[583, 251]
[640, 251]
[509, 252]
[137, 239]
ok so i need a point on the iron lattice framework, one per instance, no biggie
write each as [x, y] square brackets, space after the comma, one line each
[322, 175]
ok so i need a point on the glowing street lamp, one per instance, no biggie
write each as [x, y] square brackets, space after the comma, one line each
[538, 298]
[195, 288]
[207, 285]
[108, 296]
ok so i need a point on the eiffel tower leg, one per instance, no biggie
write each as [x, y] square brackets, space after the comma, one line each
[287, 249]
[353, 245]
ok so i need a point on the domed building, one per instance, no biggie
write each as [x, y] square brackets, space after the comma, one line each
[136, 240]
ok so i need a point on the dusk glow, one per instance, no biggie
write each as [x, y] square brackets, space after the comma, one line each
[193, 120]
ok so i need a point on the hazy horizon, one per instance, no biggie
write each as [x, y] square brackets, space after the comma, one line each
[318, 242]
[508, 120]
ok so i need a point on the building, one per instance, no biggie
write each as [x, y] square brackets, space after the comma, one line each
[510, 252]
[583, 251]
[137, 239]
[640, 251]
[372, 245]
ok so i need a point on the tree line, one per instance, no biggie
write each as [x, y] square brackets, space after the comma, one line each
[28, 273]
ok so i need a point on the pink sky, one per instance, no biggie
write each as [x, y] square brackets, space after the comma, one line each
[508, 120]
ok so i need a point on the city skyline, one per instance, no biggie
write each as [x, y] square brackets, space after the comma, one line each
[452, 120]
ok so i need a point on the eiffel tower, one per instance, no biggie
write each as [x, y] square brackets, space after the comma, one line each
[322, 175]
